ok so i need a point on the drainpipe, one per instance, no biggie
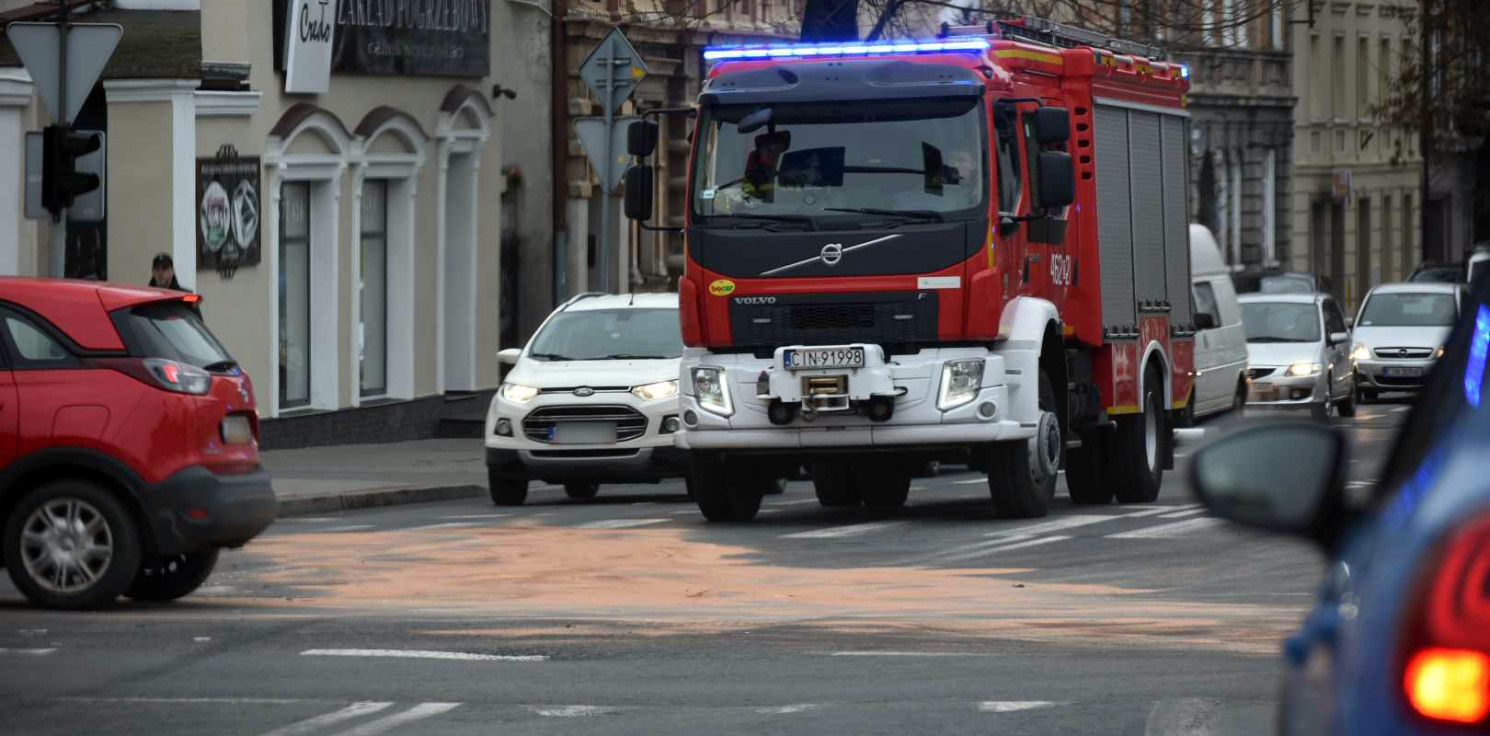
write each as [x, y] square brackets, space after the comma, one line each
[559, 117]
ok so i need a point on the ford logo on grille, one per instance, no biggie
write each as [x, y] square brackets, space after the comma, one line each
[584, 391]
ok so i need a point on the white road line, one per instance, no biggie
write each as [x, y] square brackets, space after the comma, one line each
[1189, 717]
[619, 523]
[1182, 514]
[187, 701]
[935, 556]
[1068, 522]
[388, 723]
[309, 519]
[424, 654]
[1169, 531]
[838, 532]
[1156, 510]
[969, 482]
[459, 517]
[787, 709]
[682, 512]
[446, 525]
[909, 654]
[645, 503]
[794, 503]
[355, 710]
[1011, 706]
[348, 528]
[571, 711]
[1396, 409]
[1005, 548]
[27, 652]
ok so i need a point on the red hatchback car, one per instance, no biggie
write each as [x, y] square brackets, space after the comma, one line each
[128, 444]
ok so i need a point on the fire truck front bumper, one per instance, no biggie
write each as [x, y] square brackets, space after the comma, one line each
[953, 397]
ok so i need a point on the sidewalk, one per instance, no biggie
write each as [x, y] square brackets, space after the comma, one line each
[321, 479]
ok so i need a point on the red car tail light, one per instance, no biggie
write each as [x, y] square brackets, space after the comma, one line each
[166, 374]
[1446, 673]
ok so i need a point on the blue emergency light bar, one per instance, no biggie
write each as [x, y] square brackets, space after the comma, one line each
[808, 50]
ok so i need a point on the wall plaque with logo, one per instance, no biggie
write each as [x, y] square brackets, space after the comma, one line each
[308, 42]
[227, 211]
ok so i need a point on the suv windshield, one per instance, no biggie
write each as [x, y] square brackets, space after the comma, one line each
[174, 331]
[924, 157]
[1281, 322]
[609, 334]
[1409, 310]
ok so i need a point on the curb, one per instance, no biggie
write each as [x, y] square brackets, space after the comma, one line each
[374, 498]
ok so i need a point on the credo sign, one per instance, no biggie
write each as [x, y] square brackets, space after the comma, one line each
[308, 46]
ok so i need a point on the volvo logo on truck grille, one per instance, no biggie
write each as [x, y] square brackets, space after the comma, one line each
[755, 300]
[830, 255]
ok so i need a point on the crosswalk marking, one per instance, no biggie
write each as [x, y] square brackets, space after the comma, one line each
[347, 528]
[1168, 531]
[462, 517]
[424, 654]
[1182, 514]
[1188, 717]
[1061, 524]
[355, 710]
[388, 723]
[969, 482]
[1004, 548]
[572, 711]
[1011, 706]
[447, 525]
[619, 523]
[852, 530]
[27, 652]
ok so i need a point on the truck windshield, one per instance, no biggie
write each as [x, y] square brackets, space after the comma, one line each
[920, 158]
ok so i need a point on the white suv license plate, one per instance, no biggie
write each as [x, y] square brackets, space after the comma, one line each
[814, 358]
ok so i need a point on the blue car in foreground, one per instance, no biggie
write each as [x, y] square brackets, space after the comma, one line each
[1399, 640]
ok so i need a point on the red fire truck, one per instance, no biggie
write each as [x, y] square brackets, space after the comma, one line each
[897, 251]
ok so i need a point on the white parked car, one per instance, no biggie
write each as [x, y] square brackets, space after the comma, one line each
[1298, 348]
[592, 399]
[1400, 333]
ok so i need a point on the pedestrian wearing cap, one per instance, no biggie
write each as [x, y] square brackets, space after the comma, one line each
[163, 273]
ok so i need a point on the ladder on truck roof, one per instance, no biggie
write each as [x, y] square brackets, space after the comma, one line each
[1049, 33]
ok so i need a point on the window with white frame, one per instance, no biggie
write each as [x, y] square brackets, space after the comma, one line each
[294, 296]
[372, 332]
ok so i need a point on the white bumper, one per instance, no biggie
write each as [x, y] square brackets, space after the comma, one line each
[913, 381]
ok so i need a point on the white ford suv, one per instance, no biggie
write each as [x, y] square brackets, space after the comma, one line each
[592, 399]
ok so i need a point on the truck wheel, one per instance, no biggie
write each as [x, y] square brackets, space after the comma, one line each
[71, 545]
[506, 491]
[777, 487]
[726, 492]
[835, 485]
[1086, 471]
[172, 577]
[581, 491]
[1022, 473]
[1136, 452]
[882, 486]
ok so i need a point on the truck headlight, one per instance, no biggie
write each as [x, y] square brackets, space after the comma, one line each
[712, 393]
[656, 391]
[961, 380]
[518, 393]
[1360, 352]
[1299, 370]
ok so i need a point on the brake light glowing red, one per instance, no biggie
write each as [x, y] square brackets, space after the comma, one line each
[172, 373]
[1450, 684]
[192, 298]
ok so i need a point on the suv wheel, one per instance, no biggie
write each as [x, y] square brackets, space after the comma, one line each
[71, 545]
[506, 491]
[172, 577]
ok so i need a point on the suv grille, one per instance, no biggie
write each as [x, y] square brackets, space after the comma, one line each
[893, 318]
[1404, 353]
[630, 424]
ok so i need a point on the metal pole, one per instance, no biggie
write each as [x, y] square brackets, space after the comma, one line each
[610, 121]
[59, 227]
[1425, 135]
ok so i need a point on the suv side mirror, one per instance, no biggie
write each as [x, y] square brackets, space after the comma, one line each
[638, 192]
[1204, 321]
[1052, 125]
[509, 356]
[1298, 491]
[641, 138]
[1057, 179]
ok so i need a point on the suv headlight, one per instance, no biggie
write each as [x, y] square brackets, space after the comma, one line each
[518, 393]
[1360, 352]
[656, 391]
[1304, 369]
[711, 391]
[961, 380]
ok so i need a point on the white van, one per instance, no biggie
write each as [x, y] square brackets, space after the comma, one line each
[1220, 340]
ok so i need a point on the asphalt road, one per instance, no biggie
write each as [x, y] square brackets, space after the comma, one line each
[629, 615]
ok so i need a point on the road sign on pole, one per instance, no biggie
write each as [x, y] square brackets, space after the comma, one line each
[89, 46]
[591, 132]
[613, 71]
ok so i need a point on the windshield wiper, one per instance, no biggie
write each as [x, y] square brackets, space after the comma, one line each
[549, 356]
[636, 356]
[924, 215]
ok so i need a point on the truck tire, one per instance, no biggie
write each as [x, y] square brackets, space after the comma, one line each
[1136, 452]
[97, 546]
[172, 577]
[835, 485]
[882, 486]
[581, 491]
[726, 492]
[506, 491]
[1022, 473]
[1086, 471]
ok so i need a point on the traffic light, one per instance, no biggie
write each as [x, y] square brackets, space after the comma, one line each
[61, 182]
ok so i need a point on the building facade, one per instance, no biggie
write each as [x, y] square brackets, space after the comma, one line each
[339, 205]
[1356, 198]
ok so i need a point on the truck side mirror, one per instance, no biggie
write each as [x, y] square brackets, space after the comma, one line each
[641, 138]
[1057, 180]
[638, 192]
[1052, 125]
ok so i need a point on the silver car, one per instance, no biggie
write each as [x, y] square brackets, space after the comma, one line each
[1399, 335]
[1297, 349]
